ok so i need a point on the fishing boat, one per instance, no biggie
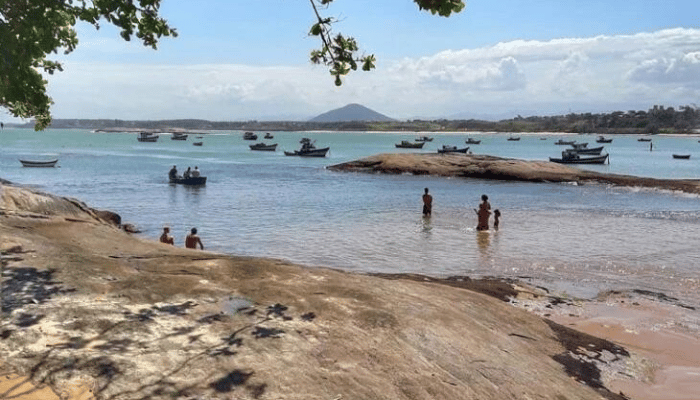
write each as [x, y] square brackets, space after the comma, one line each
[268, 135]
[147, 137]
[602, 139]
[682, 156]
[578, 146]
[191, 181]
[197, 143]
[514, 138]
[263, 147]
[562, 142]
[589, 151]
[424, 139]
[308, 149]
[39, 164]
[452, 149]
[572, 157]
[472, 141]
[405, 144]
[641, 139]
[178, 136]
[250, 136]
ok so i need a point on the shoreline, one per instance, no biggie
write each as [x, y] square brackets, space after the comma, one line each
[130, 311]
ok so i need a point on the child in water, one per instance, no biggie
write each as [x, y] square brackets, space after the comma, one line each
[496, 216]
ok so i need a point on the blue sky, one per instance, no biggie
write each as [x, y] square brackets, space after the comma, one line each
[236, 60]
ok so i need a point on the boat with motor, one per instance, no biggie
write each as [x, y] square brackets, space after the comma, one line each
[572, 157]
[452, 149]
[405, 144]
[472, 141]
[263, 147]
[268, 135]
[250, 136]
[308, 149]
[602, 139]
[147, 137]
[178, 136]
[588, 150]
[424, 139]
[191, 181]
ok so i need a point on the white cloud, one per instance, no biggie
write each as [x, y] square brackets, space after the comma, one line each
[583, 74]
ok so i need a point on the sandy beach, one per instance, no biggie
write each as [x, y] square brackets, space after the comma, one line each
[93, 312]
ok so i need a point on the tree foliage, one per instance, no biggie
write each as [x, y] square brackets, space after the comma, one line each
[30, 30]
[339, 53]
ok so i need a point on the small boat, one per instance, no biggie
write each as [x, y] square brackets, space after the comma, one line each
[579, 146]
[263, 147]
[405, 144]
[682, 156]
[268, 136]
[514, 138]
[424, 139]
[197, 143]
[565, 142]
[308, 150]
[192, 180]
[199, 137]
[572, 157]
[590, 151]
[543, 138]
[472, 141]
[250, 136]
[641, 139]
[39, 164]
[452, 149]
[602, 139]
[178, 136]
[147, 137]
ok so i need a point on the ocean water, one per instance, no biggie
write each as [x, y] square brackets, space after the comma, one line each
[577, 239]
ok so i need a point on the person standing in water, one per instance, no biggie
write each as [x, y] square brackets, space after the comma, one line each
[427, 204]
[483, 214]
[496, 217]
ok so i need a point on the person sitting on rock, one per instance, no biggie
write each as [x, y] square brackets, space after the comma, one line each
[165, 237]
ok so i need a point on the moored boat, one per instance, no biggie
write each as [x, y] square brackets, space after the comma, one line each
[682, 156]
[641, 139]
[39, 164]
[263, 147]
[572, 157]
[452, 149]
[405, 144]
[424, 139]
[250, 136]
[602, 139]
[268, 135]
[590, 151]
[579, 146]
[147, 137]
[472, 141]
[514, 138]
[308, 150]
[198, 143]
[178, 136]
[562, 142]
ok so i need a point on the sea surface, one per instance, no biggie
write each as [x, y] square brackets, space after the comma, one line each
[576, 240]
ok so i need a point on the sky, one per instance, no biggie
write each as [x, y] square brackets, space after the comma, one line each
[248, 60]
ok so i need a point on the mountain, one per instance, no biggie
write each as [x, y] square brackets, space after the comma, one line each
[351, 112]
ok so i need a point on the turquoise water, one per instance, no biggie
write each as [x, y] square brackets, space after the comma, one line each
[578, 239]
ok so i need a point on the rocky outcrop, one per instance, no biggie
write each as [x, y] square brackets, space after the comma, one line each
[139, 319]
[489, 167]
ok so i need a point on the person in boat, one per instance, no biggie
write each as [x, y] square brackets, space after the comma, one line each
[192, 240]
[165, 237]
[483, 214]
[195, 172]
[496, 217]
[187, 173]
[173, 172]
[427, 203]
